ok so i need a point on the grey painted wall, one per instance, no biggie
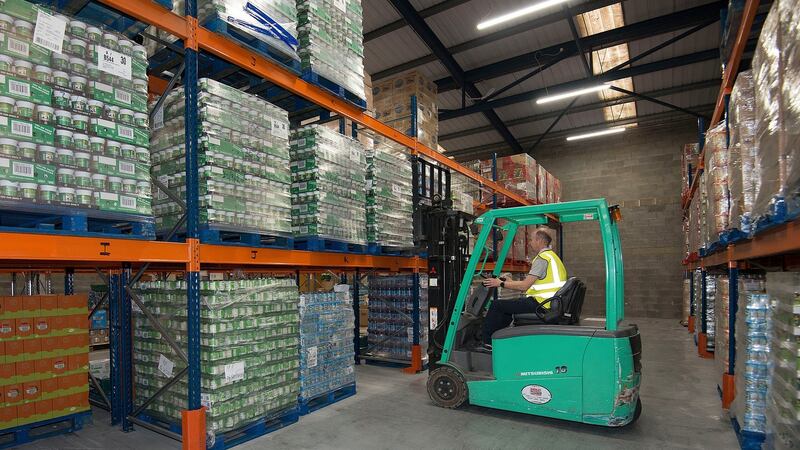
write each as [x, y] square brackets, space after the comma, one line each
[640, 171]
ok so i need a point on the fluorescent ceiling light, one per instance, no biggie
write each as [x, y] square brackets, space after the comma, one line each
[578, 137]
[575, 93]
[519, 13]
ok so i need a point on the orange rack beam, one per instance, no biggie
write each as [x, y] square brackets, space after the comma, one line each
[31, 247]
[250, 256]
[154, 14]
[28, 250]
[782, 239]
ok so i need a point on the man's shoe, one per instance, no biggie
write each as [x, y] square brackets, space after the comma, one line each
[484, 348]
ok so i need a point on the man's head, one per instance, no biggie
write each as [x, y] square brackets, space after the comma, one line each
[541, 240]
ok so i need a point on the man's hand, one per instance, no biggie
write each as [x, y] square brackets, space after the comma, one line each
[492, 282]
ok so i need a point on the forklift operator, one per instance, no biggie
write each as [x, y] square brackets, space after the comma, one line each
[545, 278]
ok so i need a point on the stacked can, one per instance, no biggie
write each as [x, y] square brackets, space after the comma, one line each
[328, 185]
[330, 34]
[73, 124]
[243, 157]
[389, 200]
[249, 341]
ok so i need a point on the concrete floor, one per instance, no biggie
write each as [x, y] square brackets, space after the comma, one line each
[392, 410]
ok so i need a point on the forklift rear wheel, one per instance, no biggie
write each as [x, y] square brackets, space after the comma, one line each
[447, 387]
[637, 412]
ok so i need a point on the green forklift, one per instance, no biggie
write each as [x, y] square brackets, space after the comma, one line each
[548, 363]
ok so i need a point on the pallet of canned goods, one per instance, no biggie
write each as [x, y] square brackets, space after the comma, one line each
[243, 162]
[249, 357]
[74, 132]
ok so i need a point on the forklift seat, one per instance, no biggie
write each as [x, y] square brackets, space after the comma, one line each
[569, 299]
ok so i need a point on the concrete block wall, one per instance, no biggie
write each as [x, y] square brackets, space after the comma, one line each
[640, 171]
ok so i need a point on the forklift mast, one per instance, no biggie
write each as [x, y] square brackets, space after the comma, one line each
[443, 234]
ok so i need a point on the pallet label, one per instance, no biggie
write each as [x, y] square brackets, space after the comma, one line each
[165, 366]
[234, 372]
[49, 31]
[114, 62]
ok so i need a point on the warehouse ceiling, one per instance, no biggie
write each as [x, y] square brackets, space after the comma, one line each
[489, 79]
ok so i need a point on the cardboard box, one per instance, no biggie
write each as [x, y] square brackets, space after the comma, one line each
[49, 387]
[8, 328]
[73, 382]
[26, 413]
[59, 365]
[31, 390]
[48, 305]
[78, 362]
[24, 326]
[7, 374]
[32, 349]
[10, 307]
[12, 393]
[14, 351]
[8, 417]
[24, 370]
[74, 304]
[30, 305]
[44, 408]
[41, 326]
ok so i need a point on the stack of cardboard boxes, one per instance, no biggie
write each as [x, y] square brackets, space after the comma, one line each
[393, 107]
[44, 358]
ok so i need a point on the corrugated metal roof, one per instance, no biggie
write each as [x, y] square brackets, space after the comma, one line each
[458, 25]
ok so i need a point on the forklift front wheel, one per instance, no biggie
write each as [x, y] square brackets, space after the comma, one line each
[447, 387]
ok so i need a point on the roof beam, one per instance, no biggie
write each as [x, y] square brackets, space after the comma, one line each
[656, 66]
[430, 39]
[712, 83]
[704, 14]
[643, 121]
[503, 33]
[401, 23]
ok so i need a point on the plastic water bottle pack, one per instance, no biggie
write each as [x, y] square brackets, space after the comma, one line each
[326, 341]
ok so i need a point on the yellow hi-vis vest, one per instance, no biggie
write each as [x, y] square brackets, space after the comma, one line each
[555, 277]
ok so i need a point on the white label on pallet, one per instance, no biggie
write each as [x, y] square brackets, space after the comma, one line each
[280, 129]
[158, 118]
[49, 31]
[311, 357]
[434, 318]
[205, 400]
[165, 366]
[234, 372]
[113, 62]
[433, 282]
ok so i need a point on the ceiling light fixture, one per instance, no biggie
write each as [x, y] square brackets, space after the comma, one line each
[578, 137]
[519, 13]
[575, 93]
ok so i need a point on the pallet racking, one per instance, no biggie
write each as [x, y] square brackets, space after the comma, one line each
[122, 262]
[778, 242]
